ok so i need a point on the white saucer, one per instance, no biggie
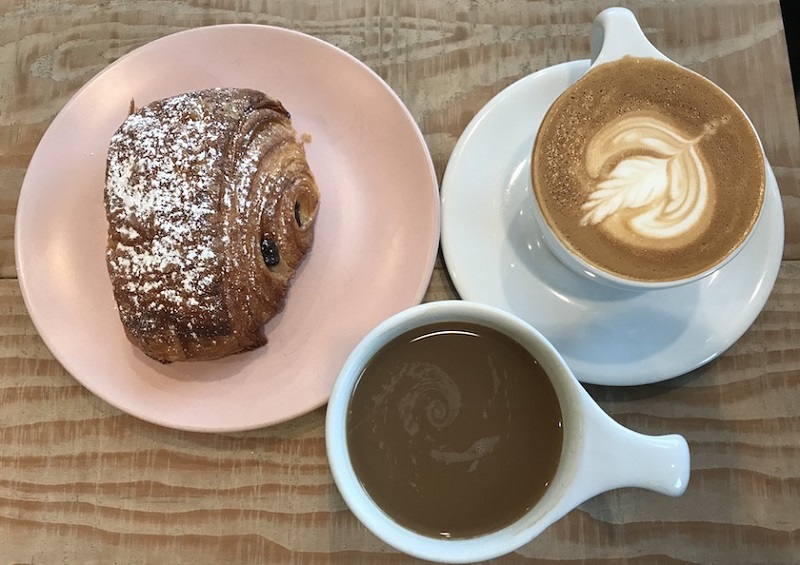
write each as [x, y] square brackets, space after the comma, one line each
[495, 255]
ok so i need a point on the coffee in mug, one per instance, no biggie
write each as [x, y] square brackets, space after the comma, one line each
[460, 405]
[454, 429]
[648, 171]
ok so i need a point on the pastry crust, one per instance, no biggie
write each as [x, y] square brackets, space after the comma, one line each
[211, 208]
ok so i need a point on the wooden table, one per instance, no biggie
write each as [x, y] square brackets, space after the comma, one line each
[81, 482]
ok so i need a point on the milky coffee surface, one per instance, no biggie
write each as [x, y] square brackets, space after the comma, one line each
[648, 171]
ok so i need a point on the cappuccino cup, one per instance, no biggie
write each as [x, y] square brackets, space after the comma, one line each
[645, 175]
[456, 433]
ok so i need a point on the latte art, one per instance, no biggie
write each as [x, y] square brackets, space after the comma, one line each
[647, 171]
[426, 400]
[429, 397]
[658, 187]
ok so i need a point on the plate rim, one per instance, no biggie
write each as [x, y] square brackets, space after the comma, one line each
[24, 202]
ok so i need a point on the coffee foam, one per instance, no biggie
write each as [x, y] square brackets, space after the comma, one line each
[648, 171]
[649, 199]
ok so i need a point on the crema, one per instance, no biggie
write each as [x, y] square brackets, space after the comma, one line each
[648, 171]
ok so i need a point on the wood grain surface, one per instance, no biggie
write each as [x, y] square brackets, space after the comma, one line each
[83, 483]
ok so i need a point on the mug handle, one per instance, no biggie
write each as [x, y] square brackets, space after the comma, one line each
[615, 34]
[615, 457]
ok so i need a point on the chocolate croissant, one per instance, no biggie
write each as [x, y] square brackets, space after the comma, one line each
[211, 208]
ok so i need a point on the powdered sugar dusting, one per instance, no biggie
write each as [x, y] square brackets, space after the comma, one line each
[194, 185]
[171, 200]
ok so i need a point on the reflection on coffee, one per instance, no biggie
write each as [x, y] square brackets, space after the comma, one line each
[454, 430]
[648, 171]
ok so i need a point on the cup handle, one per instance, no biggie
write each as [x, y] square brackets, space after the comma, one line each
[615, 457]
[615, 34]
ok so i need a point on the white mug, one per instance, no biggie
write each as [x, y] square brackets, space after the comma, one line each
[597, 455]
[616, 34]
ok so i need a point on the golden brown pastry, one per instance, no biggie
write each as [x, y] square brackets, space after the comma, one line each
[211, 209]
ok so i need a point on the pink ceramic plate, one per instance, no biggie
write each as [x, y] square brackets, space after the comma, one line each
[376, 237]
